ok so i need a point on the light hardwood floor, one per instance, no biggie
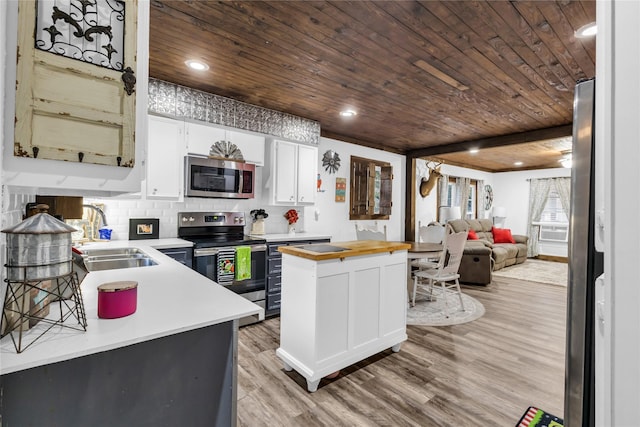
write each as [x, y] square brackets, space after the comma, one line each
[486, 372]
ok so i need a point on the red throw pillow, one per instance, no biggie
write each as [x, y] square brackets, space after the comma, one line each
[472, 235]
[502, 235]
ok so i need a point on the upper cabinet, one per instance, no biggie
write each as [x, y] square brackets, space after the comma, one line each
[78, 92]
[291, 176]
[200, 138]
[76, 82]
[165, 151]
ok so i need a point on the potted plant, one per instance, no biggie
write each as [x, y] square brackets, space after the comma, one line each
[292, 217]
[258, 216]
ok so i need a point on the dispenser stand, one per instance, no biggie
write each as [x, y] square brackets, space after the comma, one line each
[28, 303]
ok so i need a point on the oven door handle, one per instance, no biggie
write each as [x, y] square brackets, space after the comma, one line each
[215, 251]
[205, 252]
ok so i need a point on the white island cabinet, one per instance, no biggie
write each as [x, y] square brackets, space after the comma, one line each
[340, 307]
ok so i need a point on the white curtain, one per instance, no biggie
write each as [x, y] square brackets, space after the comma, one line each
[443, 190]
[538, 193]
[563, 188]
[462, 189]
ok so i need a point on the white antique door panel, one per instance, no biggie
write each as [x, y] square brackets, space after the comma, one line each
[51, 83]
[365, 306]
[76, 100]
[70, 137]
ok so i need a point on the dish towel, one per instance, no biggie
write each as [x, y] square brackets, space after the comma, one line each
[243, 262]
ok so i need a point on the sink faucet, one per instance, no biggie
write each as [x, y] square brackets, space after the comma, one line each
[103, 217]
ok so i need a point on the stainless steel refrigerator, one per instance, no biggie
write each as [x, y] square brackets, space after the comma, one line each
[585, 265]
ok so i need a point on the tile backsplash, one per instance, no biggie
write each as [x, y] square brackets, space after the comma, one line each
[119, 211]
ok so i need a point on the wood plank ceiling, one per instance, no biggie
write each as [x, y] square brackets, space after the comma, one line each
[427, 78]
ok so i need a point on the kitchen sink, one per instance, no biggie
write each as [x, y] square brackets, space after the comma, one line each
[112, 251]
[111, 259]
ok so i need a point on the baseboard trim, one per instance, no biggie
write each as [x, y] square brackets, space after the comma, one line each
[553, 258]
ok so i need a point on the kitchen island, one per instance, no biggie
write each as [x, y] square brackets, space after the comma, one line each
[172, 362]
[341, 303]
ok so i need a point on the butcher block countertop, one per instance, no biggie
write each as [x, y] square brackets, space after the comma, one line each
[339, 250]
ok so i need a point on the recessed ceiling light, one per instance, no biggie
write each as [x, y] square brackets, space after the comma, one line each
[348, 113]
[518, 163]
[588, 30]
[196, 65]
[565, 161]
[474, 150]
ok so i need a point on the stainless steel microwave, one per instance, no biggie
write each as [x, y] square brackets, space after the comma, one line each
[205, 177]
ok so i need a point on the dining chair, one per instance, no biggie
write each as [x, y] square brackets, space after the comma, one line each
[446, 272]
[431, 233]
[371, 234]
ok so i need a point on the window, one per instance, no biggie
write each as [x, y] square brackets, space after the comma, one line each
[453, 198]
[554, 224]
[370, 196]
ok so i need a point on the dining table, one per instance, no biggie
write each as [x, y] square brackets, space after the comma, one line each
[419, 250]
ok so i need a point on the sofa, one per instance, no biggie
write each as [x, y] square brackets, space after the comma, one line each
[484, 254]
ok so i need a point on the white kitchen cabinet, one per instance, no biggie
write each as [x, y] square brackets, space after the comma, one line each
[49, 175]
[293, 170]
[307, 173]
[200, 137]
[165, 151]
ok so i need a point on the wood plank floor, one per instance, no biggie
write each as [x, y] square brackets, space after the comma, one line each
[486, 372]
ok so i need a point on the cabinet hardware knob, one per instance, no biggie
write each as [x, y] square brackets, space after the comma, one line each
[119, 160]
[35, 152]
[80, 156]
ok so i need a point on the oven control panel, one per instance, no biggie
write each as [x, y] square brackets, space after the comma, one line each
[210, 219]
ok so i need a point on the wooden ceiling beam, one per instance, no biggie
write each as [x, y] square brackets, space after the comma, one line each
[498, 141]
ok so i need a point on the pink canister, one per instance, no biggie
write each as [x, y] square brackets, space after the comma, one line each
[117, 299]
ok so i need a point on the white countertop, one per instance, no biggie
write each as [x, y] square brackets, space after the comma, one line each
[171, 299]
[291, 237]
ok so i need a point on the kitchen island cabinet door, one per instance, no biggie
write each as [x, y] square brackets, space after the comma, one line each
[165, 152]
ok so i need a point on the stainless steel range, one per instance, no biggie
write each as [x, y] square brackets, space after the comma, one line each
[218, 238]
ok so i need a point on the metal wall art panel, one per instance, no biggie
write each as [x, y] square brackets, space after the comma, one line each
[87, 30]
[183, 102]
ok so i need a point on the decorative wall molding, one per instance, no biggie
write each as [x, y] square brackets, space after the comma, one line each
[179, 101]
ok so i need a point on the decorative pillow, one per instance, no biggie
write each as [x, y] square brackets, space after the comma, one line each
[472, 235]
[502, 235]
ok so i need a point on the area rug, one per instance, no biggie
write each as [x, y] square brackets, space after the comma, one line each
[534, 417]
[535, 270]
[431, 313]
